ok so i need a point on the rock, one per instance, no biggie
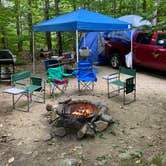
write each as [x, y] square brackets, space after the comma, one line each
[27, 152]
[136, 154]
[81, 133]
[138, 162]
[64, 100]
[77, 148]
[36, 140]
[48, 158]
[49, 107]
[101, 125]
[59, 131]
[125, 156]
[35, 154]
[163, 161]
[53, 116]
[20, 143]
[106, 118]
[59, 109]
[96, 103]
[11, 160]
[102, 110]
[101, 163]
[90, 131]
[69, 162]
[62, 155]
[47, 137]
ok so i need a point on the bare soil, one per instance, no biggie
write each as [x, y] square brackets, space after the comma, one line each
[138, 136]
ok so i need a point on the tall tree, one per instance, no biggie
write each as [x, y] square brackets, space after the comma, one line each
[18, 25]
[2, 29]
[59, 37]
[74, 4]
[46, 16]
[30, 25]
[155, 20]
[144, 6]
[114, 7]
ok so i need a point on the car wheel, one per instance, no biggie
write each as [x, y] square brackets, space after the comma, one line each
[115, 60]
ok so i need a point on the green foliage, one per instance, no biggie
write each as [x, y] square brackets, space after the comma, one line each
[20, 9]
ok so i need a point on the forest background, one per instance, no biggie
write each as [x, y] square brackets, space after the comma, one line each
[17, 18]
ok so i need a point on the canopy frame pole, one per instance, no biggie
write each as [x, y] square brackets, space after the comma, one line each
[131, 48]
[84, 40]
[33, 53]
[77, 45]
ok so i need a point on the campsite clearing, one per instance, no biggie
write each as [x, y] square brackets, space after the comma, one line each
[138, 135]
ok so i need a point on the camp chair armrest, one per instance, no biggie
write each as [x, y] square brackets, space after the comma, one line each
[129, 78]
[35, 77]
[19, 83]
[43, 80]
[66, 75]
[111, 76]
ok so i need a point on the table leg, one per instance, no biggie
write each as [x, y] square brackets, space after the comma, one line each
[13, 101]
[108, 88]
[28, 98]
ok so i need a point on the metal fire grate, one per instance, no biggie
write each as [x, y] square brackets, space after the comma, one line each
[79, 110]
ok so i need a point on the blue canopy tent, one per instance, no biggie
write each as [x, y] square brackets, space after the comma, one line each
[80, 20]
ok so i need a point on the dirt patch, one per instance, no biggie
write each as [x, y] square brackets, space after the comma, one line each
[139, 132]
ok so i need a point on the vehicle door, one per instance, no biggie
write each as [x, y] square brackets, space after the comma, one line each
[142, 49]
[158, 52]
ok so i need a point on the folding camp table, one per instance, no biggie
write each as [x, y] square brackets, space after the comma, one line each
[16, 91]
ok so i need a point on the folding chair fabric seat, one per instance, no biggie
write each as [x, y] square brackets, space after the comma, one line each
[56, 79]
[60, 82]
[118, 83]
[86, 76]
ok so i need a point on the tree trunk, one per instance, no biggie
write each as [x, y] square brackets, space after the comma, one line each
[18, 26]
[3, 39]
[155, 20]
[120, 7]
[59, 37]
[30, 28]
[114, 7]
[2, 31]
[46, 16]
[144, 6]
[74, 4]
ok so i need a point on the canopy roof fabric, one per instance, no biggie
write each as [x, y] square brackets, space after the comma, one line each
[81, 20]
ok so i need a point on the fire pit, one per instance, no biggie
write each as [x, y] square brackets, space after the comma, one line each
[79, 110]
[81, 116]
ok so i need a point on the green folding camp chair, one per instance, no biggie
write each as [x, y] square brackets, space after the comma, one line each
[127, 86]
[23, 84]
[56, 79]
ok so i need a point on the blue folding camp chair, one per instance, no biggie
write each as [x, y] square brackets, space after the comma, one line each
[86, 76]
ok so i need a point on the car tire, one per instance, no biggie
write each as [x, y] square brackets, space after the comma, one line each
[115, 60]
